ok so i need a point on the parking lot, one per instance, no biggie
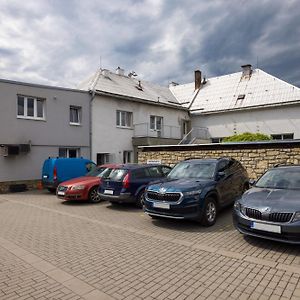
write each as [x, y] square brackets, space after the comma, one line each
[55, 250]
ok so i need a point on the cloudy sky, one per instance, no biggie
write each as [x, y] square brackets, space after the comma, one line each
[60, 42]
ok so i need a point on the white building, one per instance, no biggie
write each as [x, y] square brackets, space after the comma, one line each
[127, 112]
[247, 101]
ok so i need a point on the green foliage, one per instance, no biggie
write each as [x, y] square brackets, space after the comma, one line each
[247, 137]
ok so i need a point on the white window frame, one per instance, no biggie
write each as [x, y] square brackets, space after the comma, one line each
[35, 112]
[68, 151]
[282, 136]
[156, 118]
[121, 116]
[79, 115]
[127, 156]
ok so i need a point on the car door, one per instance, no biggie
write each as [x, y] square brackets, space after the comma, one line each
[224, 178]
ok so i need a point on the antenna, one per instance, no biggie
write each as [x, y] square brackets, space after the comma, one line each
[100, 62]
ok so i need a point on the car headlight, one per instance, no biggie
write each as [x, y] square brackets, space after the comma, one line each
[78, 187]
[240, 207]
[192, 193]
[296, 217]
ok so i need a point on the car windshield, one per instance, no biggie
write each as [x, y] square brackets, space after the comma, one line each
[96, 172]
[193, 170]
[280, 179]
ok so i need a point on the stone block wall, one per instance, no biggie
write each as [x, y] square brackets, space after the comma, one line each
[255, 157]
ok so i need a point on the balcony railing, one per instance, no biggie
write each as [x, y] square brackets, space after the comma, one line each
[169, 132]
[195, 134]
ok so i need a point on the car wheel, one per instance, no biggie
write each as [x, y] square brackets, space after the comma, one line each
[94, 197]
[140, 199]
[209, 215]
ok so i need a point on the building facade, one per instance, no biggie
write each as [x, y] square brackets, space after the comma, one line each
[38, 122]
[247, 101]
[127, 113]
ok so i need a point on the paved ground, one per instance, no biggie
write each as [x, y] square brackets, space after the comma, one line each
[55, 250]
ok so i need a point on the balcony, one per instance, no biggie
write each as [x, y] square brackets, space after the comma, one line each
[197, 135]
[167, 132]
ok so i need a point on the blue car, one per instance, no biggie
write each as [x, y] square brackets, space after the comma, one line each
[127, 183]
[196, 189]
[57, 170]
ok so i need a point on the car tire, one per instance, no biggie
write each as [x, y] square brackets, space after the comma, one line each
[140, 199]
[94, 197]
[209, 215]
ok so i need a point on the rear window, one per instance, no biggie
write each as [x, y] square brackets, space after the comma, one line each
[116, 174]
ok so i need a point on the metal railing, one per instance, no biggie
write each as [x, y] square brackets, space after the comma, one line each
[169, 132]
[196, 133]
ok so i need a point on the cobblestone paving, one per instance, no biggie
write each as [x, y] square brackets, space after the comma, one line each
[55, 250]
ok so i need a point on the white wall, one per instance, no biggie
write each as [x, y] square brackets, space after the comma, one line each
[107, 137]
[284, 119]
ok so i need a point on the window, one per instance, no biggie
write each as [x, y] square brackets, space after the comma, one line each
[69, 152]
[156, 123]
[216, 140]
[154, 172]
[124, 119]
[283, 136]
[127, 157]
[30, 107]
[103, 158]
[75, 115]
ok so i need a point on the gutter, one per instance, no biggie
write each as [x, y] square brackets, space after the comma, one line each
[198, 111]
[101, 93]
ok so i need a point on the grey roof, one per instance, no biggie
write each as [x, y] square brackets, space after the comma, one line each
[222, 93]
[104, 81]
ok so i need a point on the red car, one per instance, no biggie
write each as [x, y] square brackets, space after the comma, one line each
[85, 187]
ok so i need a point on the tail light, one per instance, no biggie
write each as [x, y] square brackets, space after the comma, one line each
[54, 174]
[126, 182]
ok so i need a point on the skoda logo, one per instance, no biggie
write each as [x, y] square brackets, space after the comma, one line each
[162, 190]
[266, 210]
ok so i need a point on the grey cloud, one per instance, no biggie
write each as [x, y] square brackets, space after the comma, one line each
[60, 42]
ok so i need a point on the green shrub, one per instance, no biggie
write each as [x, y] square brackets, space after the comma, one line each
[247, 137]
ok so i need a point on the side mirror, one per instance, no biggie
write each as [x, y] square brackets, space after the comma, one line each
[252, 182]
[220, 175]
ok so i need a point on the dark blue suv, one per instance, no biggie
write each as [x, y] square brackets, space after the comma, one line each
[127, 183]
[196, 189]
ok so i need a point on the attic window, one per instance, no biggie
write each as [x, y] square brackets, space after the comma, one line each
[241, 97]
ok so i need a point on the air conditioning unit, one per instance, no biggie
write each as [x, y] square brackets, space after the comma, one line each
[3, 150]
[6, 150]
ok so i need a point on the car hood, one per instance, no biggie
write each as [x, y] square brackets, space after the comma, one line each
[81, 180]
[178, 185]
[277, 200]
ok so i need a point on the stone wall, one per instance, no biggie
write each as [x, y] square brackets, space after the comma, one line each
[255, 157]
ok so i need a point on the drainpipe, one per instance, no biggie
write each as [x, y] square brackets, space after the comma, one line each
[92, 92]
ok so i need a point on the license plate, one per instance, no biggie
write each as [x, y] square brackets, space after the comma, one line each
[266, 227]
[60, 193]
[161, 205]
[109, 192]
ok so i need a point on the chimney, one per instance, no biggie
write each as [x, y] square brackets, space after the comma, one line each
[247, 71]
[120, 71]
[197, 79]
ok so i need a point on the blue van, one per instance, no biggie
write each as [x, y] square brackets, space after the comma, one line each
[57, 170]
